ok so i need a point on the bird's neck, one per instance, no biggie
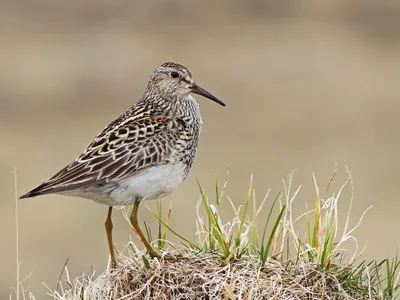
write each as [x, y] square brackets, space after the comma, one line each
[184, 107]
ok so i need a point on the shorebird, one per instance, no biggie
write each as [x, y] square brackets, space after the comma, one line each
[144, 154]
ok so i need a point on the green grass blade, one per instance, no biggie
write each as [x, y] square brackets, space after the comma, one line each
[146, 262]
[244, 215]
[192, 245]
[217, 193]
[148, 232]
[272, 235]
[314, 242]
[167, 226]
[159, 212]
[214, 228]
[263, 255]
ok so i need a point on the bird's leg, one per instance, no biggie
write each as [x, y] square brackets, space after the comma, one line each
[135, 224]
[109, 227]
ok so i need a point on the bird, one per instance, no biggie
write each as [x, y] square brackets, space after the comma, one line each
[144, 154]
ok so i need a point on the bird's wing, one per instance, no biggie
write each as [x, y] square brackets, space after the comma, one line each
[122, 149]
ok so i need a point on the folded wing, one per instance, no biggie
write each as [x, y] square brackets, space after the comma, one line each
[121, 150]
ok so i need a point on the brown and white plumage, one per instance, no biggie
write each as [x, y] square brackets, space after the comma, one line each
[145, 153]
[144, 139]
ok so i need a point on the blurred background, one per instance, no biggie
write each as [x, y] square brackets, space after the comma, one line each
[306, 84]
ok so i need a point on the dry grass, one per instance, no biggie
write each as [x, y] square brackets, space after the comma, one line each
[205, 276]
[248, 256]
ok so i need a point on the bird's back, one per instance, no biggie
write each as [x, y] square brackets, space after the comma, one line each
[145, 153]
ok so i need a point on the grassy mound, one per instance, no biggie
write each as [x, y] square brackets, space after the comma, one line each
[205, 276]
[257, 254]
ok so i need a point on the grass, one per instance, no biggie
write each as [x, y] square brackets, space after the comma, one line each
[248, 256]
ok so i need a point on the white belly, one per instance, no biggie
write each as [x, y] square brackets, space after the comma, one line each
[152, 183]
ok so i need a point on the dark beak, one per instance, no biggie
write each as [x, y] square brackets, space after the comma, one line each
[200, 91]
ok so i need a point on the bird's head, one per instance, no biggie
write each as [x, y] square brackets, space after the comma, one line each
[176, 81]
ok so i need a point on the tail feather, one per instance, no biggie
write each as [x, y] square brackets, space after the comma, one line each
[39, 191]
[49, 188]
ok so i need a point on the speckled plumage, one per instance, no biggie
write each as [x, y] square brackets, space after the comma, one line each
[142, 137]
[145, 153]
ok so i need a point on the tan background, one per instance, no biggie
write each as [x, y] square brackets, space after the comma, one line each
[305, 85]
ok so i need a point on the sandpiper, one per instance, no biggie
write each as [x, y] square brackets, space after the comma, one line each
[144, 154]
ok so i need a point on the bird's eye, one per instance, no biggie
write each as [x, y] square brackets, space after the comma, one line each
[174, 74]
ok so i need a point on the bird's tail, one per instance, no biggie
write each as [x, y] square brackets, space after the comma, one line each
[39, 191]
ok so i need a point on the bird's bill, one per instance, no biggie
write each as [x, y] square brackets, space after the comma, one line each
[200, 91]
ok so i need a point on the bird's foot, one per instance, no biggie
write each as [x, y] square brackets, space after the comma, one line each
[169, 257]
[113, 264]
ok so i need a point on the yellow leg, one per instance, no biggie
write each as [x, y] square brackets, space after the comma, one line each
[109, 227]
[135, 224]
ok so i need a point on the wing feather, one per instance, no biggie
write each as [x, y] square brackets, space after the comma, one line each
[122, 149]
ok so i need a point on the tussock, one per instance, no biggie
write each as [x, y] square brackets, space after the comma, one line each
[205, 276]
[249, 256]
